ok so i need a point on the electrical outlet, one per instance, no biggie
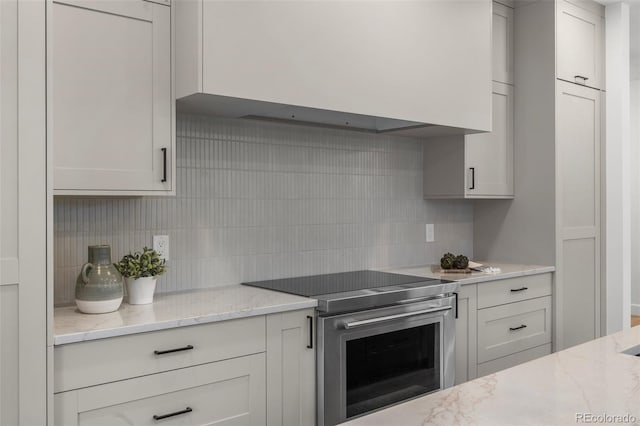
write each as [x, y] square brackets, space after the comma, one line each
[429, 232]
[161, 245]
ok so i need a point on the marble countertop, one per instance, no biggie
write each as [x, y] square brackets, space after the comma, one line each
[223, 303]
[173, 310]
[507, 270]
[564, 388]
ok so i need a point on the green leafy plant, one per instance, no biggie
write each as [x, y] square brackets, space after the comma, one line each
[147, 263]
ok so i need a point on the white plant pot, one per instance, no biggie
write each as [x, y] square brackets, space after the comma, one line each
[140, 290]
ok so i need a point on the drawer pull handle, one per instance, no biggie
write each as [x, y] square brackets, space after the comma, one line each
[176, 413]
[164, 165]
[515, 290]
[169, 351]
[520, 327]
[581, 77]
[310, 345]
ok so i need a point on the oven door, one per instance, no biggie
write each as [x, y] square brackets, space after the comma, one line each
[372, 359]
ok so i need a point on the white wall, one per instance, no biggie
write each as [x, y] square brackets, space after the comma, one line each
[635, 196]
[618, 185]
[259, 200]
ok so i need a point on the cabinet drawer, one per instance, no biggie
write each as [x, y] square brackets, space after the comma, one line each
[94, 362]
[504, 330]
[230, 392]
[511, 290]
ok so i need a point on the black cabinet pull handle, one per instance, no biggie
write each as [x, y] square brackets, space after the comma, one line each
[473, 178]
[515, 290]
[583, 78]
[176, 413]
[169, 351]
[164, 165]
[520, 327]
[456, 296]
[310, 345]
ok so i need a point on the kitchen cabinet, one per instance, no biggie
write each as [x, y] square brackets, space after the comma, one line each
[466, 335]
[556, 218]
[502, 323]
[502, 43]
[24, 211]
[254, 370]
[229, 392]
[480, 165]
[578, 210]
[474, 166]
[291, 369]
[580, 44]
[110, 108]
[317, 61]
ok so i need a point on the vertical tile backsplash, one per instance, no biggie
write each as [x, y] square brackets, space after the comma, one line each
[259, 200]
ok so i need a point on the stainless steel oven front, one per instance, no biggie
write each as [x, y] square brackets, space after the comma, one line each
[371, 359]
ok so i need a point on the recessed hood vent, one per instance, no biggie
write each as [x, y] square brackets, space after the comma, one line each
[225, 106]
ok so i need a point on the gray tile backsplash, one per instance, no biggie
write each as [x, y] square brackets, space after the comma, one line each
[260, 200]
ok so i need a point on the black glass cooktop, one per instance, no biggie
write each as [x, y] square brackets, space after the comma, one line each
[316, 285]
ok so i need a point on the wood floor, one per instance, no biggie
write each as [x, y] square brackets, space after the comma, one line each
[635, 320]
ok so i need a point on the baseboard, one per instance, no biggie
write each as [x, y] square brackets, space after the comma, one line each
[635, 309]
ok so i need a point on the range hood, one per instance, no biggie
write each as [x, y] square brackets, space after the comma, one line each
[230, 107]
[417, 68]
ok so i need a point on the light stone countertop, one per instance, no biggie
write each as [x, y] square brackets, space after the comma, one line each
[590, 379]
[508, 270]
[224, 303]
[174, 310]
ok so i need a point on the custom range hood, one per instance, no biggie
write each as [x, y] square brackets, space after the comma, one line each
[415, 68]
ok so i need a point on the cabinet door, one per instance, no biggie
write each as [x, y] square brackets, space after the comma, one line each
[230, 393]
[291, 380]
[23, 215]
[578, 201]
[579, 55]
[466, 338]
[489, 156]
[502, 43]
[110, 101]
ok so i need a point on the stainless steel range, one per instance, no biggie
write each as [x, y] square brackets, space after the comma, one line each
[382, 338]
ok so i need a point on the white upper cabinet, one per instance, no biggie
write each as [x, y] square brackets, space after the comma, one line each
[580, 44]
[502, 42]
[474, 166]
[489, 156]
[416, 62]
[480, 165]
[110, 108]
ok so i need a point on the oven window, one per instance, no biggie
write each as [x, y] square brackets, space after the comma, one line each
[387, 368]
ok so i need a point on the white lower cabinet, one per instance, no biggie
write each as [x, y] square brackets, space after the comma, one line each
[466, 336]
[251, 371]
[230, 392]
[501, 324]
[291, 369]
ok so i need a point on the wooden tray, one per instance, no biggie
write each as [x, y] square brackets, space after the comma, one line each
[438, 270]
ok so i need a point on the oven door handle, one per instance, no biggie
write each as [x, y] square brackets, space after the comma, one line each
[354, 324]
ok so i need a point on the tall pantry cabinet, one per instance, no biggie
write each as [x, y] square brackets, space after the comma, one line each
[556, 216]
[23, 215]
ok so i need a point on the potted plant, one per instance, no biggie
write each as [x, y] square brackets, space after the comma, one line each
[141, 270]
